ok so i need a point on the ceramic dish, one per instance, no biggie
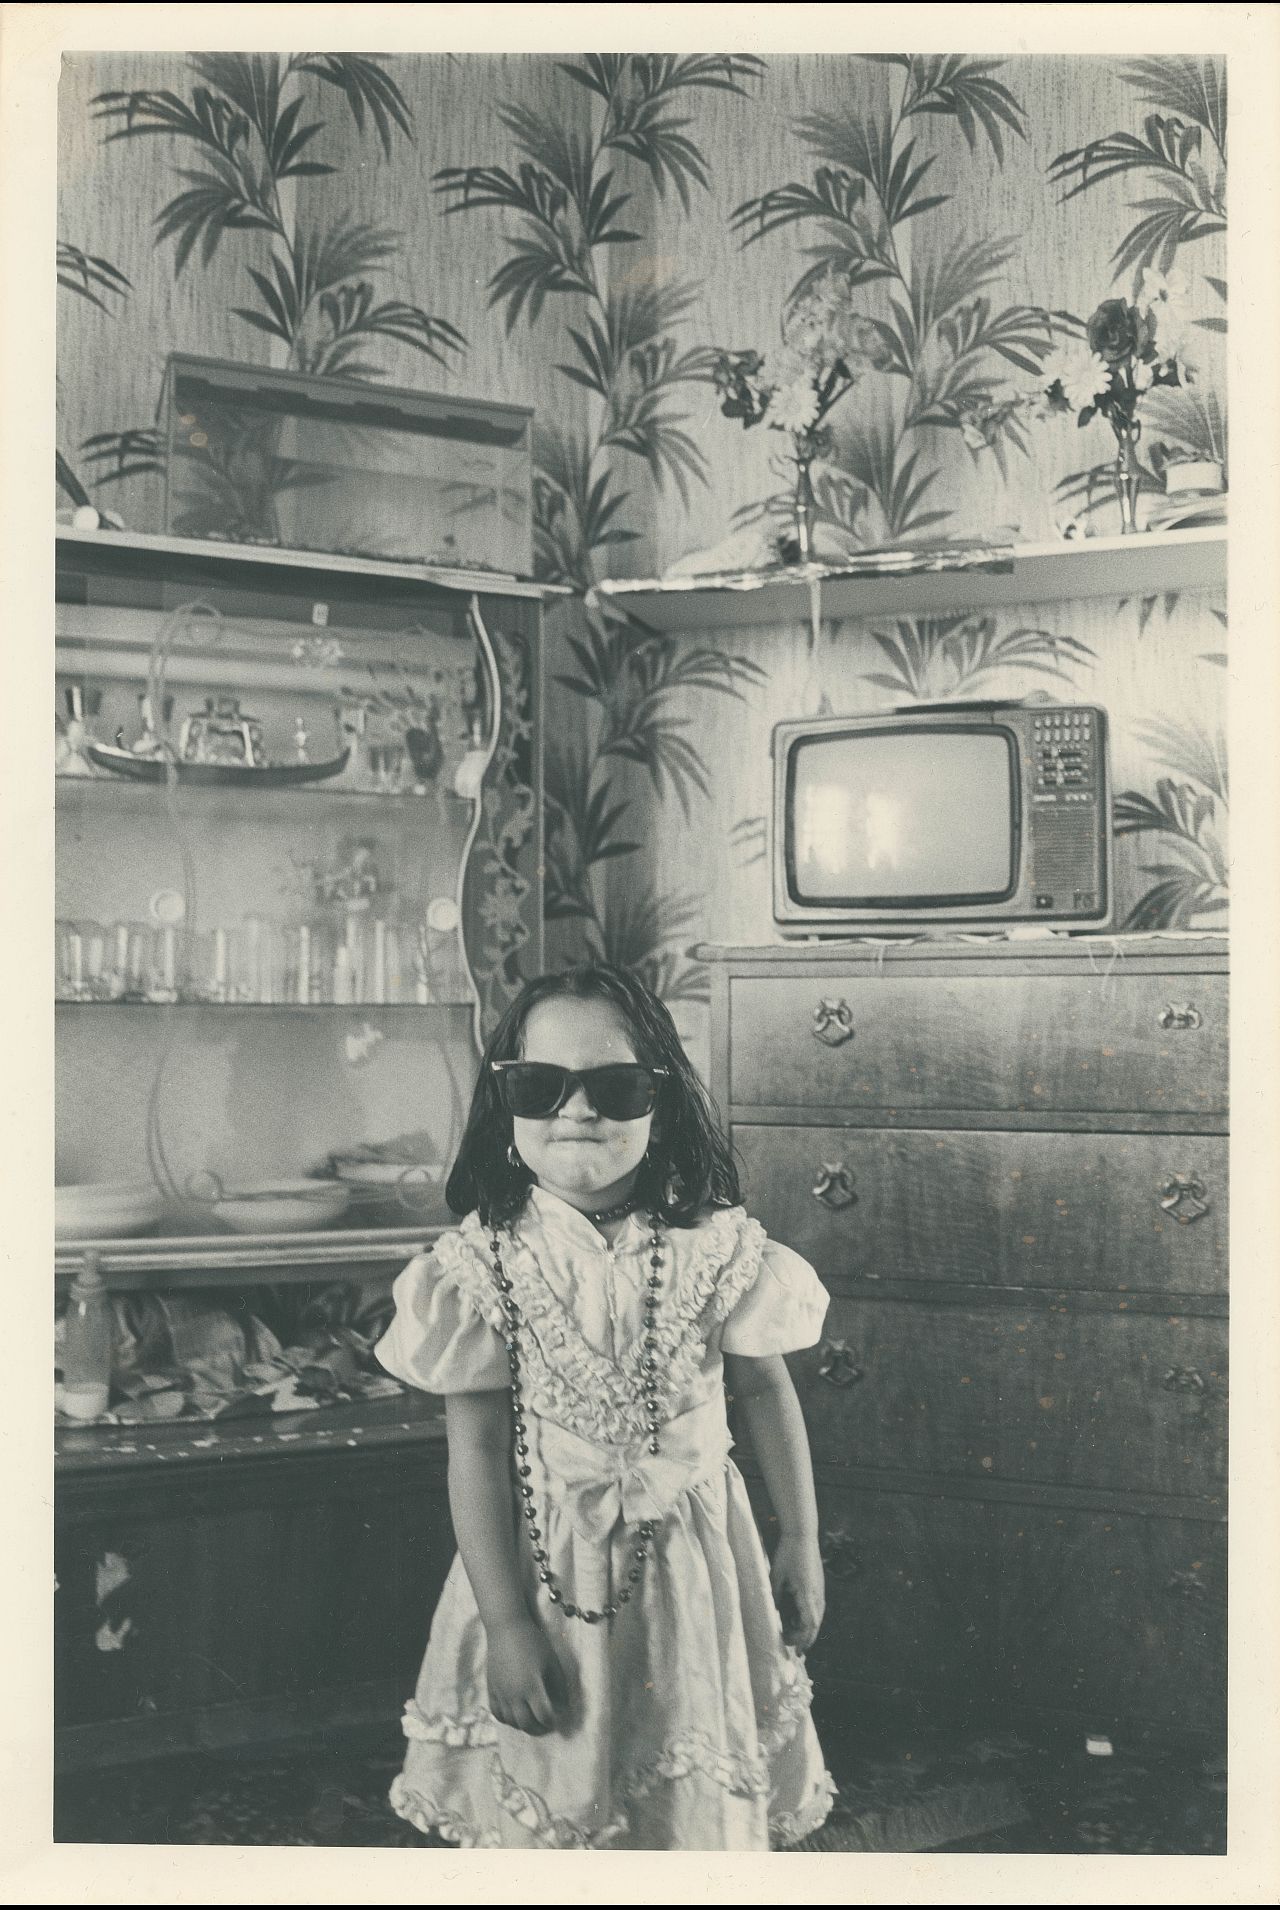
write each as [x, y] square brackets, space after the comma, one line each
[105, 1210]
[278, 1207]
[404, 1187]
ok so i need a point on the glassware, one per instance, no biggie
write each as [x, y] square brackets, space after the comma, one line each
[82, 705]
[215, 955]
[87, 1345]
[308, 964]
[80, 945]
[128, 961]
[165, 976]
[257, 961]
[1127, 473]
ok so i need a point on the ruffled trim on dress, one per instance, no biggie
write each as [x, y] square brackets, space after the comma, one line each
[691, 1753]
[566, 1378]
[790, 1827]
[465, 1730]
[467, 1266]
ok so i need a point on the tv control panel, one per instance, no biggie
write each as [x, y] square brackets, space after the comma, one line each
[1068, 781]
[1065, 753]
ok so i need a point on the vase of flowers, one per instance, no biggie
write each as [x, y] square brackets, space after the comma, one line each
[1127, 350]
[826, 349]
[1101, 369]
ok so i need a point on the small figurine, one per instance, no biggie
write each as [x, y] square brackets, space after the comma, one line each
[148, 743]
[426, 751]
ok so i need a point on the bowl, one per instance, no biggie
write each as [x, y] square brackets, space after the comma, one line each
[403, 1187]
[282, 1206]
[105, 1210]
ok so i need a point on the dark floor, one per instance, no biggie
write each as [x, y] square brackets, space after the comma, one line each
[900, 1790]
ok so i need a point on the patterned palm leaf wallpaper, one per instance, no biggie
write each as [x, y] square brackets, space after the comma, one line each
[582, 235]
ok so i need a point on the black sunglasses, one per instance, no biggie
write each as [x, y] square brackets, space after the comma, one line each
[534, 1090]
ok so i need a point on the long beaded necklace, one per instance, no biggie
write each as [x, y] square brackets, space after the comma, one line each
[649, 1387]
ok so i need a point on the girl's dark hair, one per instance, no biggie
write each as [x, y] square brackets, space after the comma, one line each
[688, 1167]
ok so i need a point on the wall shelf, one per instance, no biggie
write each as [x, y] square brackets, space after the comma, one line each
[167, 558]
[1121, 567]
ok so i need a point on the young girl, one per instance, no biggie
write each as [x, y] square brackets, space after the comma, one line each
[607, 1666]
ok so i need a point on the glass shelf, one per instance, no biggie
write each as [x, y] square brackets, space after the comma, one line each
[135, 554]
[160, 1263]
[275, 1007]
[124, 789]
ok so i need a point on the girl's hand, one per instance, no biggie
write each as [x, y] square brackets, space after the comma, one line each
[799, 1589]
[527, 1687]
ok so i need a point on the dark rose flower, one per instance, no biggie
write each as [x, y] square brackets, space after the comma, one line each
[1116, 331]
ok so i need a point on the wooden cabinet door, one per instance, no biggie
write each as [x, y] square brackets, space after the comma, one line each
[1020, 1042]
[289, 1588]
[1119, 1619]
[1129, 1212]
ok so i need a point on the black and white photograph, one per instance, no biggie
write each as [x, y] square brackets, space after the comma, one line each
[640, 885]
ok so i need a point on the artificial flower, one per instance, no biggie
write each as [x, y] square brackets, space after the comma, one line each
[1080, 373]
[793, 407]
[1159, 289]
[865, 341]
[1118, 331]
[787, 367]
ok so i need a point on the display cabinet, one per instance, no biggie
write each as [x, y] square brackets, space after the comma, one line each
[298, 840]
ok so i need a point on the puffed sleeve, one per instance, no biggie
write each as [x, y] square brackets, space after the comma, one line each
[781, 1311]
[444, 1335]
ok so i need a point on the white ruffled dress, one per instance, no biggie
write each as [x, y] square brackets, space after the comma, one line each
[689, 1725]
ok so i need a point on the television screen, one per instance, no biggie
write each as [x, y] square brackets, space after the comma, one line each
[913, 814]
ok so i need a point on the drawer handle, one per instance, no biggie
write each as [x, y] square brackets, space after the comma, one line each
[1184, 1379]
[1183, 1196]
[837, 1365]
[840, 1554]
[833, 1022]
[1183, 1014]
[834, 1186]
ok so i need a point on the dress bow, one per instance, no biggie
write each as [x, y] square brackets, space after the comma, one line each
[598, 1486]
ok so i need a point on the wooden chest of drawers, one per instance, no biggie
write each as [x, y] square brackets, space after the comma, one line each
[1008, 1162]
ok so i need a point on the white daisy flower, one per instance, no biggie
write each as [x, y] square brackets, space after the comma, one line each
[1082, 374]
[793, 407]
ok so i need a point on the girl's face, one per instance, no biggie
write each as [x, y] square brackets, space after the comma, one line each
[588, 1160]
